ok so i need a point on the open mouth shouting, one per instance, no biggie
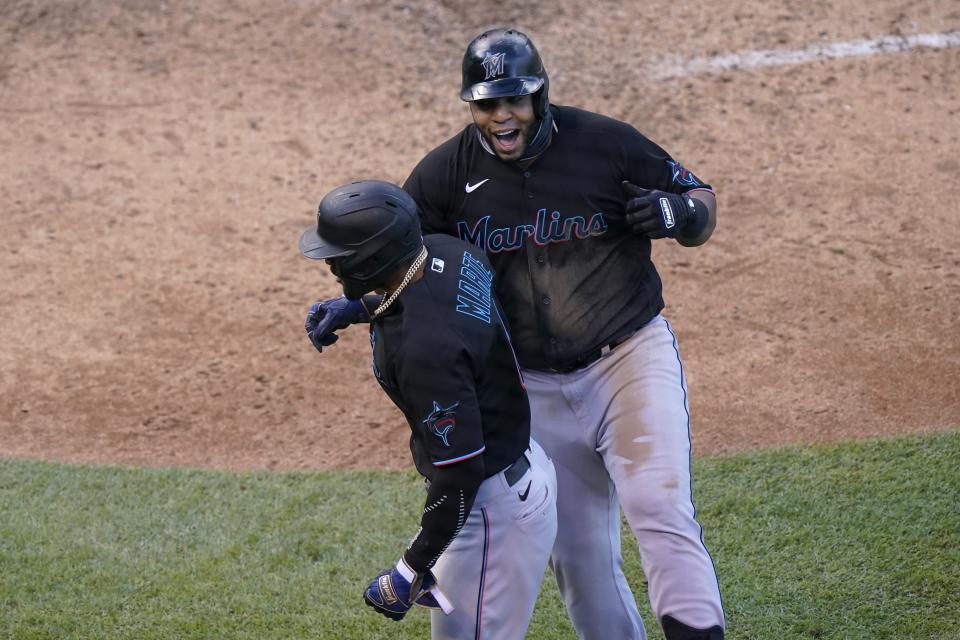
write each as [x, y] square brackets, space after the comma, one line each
[507, 141]
[505, 124]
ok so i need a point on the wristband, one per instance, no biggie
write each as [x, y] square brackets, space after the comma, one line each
[404, 570]
[368, 303]
[696, 220]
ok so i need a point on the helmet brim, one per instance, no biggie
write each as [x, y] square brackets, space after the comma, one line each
[316, 248]
[502, 88]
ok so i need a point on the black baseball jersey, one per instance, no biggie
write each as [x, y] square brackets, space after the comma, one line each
[442, 353]
[571, 276]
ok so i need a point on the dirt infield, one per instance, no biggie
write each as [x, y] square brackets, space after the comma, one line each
[158, 161]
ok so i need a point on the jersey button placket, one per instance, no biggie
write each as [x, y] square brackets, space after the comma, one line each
[536, 257]
[541, 257]
[551, 349]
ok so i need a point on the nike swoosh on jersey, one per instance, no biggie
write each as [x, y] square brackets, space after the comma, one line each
[526, 492]
[470, 188]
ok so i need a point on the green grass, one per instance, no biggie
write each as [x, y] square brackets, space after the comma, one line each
[860, 540]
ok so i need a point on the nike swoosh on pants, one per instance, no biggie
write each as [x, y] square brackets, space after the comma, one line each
[526, 492]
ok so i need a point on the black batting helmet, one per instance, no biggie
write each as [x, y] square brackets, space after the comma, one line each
[366, 229]
[501, 63]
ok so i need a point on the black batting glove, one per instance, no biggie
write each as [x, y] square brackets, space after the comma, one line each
[657, 214]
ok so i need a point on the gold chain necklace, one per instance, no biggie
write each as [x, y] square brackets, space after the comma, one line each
[403, 283]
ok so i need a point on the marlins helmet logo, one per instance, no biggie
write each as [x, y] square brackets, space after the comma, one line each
[493, 65]
[441, 421]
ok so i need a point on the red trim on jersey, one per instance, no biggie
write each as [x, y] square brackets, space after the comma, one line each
[443, 463]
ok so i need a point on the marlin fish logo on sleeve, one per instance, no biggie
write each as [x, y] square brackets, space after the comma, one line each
[441, 421]
[680, 175]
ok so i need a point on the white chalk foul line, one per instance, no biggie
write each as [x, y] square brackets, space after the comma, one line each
[781, 57]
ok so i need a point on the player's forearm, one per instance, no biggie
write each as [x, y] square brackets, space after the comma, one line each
[698, 233]
[449, 501]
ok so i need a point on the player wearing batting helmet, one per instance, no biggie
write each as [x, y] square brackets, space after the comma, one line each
[442, 353]
[566, 204]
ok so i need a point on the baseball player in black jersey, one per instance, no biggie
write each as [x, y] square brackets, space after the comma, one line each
[442, 353]
[565, 203]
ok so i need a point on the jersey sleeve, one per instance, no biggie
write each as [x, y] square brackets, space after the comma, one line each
[649, 166]
[450, 498]
[427, 185]
[440, 391]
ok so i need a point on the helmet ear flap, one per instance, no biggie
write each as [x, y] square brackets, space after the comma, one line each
[540, 100]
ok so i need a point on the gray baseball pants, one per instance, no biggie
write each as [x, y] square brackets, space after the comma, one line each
[618, 432]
